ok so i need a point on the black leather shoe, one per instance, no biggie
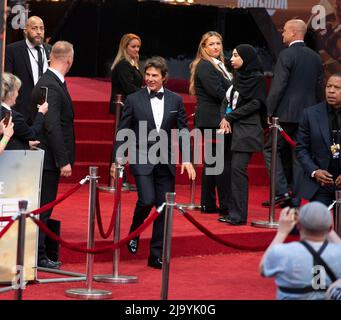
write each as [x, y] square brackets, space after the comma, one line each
[222, 219]
[234, 222]
[205, 209]
[47, 263]
[282, 200]
[155, 262]
[133, 245]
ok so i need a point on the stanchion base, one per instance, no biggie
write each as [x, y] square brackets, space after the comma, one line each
[109, 278]
[108, 189]
[265, 224]
[190, 206]
[86, 294]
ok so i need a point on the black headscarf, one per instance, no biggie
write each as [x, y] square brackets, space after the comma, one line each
[249, 79]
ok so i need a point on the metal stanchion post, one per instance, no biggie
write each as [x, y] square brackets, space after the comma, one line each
[21, 248]
[89, 293]
[118, 104]
[270, 224]
[192, 205]
[115, 277]
[167, 242]
[337, 213]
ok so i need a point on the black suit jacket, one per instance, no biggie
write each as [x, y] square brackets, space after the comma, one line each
[125, 79]
[17, 61]
[297, 83]
[57, 137]
[210, 90]
[138, 109]
[313, 146]
[22, 132]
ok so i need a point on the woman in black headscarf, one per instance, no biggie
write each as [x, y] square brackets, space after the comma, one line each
[243, 107]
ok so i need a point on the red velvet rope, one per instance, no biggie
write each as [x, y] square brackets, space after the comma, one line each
[106, 235]
[8, 225]
[287, 138]
[219, 239]
[5, 219]
[52, 204]
[111, 247]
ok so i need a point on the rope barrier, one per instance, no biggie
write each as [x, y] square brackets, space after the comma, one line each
[216, 238]
[5, 229]
[106, 235]
[287, 137]
[113, 246]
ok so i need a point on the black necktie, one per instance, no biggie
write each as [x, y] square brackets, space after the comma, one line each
[40, 61]
[154, 94]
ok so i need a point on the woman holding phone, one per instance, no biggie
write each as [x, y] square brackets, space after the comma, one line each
[24, 136]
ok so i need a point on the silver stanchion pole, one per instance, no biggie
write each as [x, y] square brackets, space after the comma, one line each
[89, 293]
[115, 277]
[119, 104]
[192, 206]
[270, 224]
[167, 242]
[21, 249]
[337, 213]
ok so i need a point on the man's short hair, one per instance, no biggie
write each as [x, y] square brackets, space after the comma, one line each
[157, 63]
[336, 74]
[61, 50]
[315, 216]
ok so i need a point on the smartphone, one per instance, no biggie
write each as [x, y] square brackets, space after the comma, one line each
[43, 95]
[8, 114]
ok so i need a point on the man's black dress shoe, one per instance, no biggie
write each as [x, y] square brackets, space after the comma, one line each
[126, 186]
[47, 263]
[205, 209]
[155, 262]
[234, 222]
[133, 245]
[283, 200]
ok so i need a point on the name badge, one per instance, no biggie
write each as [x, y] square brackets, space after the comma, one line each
[335, 149]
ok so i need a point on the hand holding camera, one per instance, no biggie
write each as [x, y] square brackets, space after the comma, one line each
[287, 220]
[6, 127]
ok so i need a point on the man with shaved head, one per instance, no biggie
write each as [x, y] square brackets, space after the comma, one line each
[28, 60]
[297, 84]
[57, 137]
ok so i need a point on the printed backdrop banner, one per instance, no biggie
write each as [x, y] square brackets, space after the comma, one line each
[20, 179]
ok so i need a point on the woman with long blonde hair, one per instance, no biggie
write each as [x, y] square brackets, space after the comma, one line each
[126, 77]
[209, 82]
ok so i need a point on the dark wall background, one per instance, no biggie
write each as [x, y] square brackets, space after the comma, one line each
[172, 31]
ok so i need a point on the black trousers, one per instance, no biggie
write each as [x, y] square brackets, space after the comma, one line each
[326, 195]
[285, 151]
[151, 190]
[49, 188]
[238, 205]
[219, 181]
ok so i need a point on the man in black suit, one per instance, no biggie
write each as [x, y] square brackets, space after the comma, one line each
[155, 111]
[28, 60]
[318, 146]
[297, 84]
[57, 138]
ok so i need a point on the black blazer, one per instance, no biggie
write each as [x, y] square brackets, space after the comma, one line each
[297, 83]
[210, 90]
[137, 109]
[22, 132]
[313, 146]
[57, 137]
[247, 131]
[125, 79]
[17, 61]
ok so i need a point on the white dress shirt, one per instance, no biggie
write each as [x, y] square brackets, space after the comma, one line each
[58, 74]
[296, 41]
[223, 69]
[33, 54]
[158, 109]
